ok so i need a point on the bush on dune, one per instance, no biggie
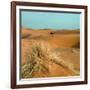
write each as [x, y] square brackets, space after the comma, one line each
[39, 52]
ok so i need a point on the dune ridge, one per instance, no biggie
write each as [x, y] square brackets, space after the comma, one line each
[58, 49]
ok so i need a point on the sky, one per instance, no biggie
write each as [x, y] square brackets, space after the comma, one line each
[50, 20]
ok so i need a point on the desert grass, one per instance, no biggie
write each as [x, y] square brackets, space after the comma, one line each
[40, 51]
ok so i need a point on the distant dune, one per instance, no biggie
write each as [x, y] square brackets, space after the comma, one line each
[26, 32]
[64, 42]
[62, 38]
[47, 31]
[66, 32]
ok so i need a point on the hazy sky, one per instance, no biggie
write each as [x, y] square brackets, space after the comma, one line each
[51, 20]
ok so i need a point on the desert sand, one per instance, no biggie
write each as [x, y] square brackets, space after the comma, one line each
[50, 53]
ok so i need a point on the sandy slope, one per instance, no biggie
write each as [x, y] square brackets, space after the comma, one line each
[66, 43]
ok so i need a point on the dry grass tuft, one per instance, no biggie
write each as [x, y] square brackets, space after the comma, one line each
[40, 51]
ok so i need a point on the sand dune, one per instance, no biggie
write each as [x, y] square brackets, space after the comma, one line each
[58, 39]
[65, 43]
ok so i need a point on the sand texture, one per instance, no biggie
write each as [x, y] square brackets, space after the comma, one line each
[50, 53]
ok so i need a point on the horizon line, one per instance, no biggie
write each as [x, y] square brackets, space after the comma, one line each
[49, 28]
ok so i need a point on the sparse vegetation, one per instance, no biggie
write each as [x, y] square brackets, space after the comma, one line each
[34, 60]
[39, 53]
